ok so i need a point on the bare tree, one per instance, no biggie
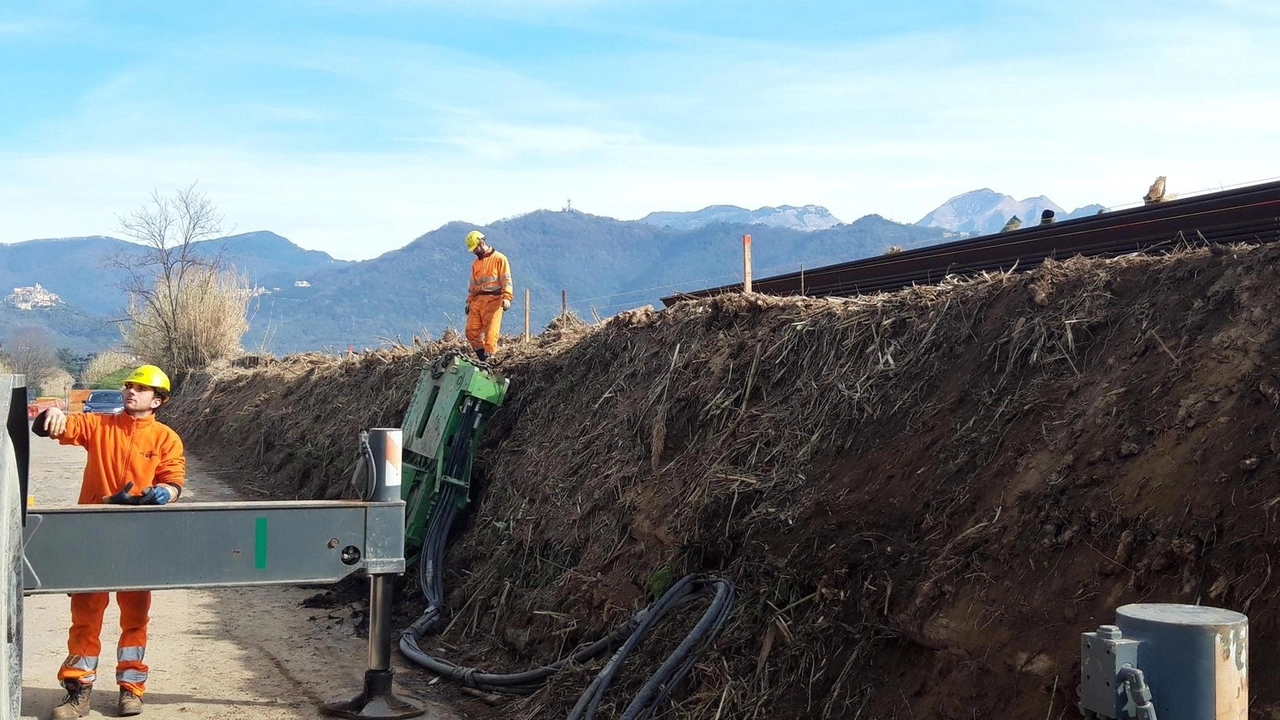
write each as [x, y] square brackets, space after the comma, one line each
[29, 351]
[159, 282]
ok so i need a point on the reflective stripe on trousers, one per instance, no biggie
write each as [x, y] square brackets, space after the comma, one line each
[84, 640]
[82, 668]
[131, 672]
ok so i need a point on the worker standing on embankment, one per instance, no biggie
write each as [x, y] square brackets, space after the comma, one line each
[488, 296]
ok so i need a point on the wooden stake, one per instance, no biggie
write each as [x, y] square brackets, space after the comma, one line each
[746, 263]
[564, 303]
[526, 314]
[801, 279]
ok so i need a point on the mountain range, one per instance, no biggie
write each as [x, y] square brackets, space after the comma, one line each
[807, 217]
[985, 211]
[308, 300]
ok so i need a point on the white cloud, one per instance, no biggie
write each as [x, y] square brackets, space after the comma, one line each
[400, 138]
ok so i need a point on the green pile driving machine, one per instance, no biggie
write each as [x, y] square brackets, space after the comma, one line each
[450, 406]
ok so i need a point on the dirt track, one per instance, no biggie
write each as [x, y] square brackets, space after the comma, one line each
[217, 654]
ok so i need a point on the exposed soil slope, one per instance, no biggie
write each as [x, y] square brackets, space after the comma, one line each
[922, 497]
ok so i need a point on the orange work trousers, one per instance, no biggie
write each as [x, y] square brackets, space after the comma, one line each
[84, 643]
[484, 322]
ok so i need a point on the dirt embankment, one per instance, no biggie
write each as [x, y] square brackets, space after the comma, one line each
[923, 498]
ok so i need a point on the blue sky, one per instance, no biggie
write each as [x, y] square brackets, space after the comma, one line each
[355, 126]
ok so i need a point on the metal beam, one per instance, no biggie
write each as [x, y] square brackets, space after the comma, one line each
[97, 548]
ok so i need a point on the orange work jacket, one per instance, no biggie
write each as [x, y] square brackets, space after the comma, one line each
[123, 448]
[491, 275]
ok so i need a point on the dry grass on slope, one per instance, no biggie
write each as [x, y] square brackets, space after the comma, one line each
[923, 497]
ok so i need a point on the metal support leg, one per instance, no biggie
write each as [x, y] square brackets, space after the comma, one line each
[378, 700]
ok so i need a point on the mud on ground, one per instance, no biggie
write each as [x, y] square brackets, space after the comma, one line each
[923, 498]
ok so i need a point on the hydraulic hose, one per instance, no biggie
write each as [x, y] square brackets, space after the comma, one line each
[369, 465]
[443, 514]
[624, 639]
[681, 662]
[1135, 684]
[678, 664]
[621, 641]
[520, 683]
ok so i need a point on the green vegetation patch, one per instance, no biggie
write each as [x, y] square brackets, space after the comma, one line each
[114, 380]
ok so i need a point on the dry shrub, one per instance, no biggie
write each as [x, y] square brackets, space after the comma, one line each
[57, 382]
[191, 321]
[566, 321]
[105, 363]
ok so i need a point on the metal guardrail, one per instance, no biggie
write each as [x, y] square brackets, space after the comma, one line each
[1249, 214]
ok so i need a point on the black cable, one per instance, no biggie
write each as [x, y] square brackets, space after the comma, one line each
[623, 639]
[678, 665]
[590, 699]
[370, 468]
[520, 683]
[443, 514]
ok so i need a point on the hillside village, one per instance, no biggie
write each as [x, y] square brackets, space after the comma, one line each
[30, 298]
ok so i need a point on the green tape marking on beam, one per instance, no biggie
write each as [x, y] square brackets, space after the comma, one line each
[260, 543]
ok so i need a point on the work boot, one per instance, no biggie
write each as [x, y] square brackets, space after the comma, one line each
[76, 703]
[130, 704]
[482, 354]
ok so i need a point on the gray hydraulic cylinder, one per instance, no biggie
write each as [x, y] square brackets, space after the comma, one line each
[1195, 658]
[386, 445]
[379, 701]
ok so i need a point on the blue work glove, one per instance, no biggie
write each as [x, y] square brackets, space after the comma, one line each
[154, 495]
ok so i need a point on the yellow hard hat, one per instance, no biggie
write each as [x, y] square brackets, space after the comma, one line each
[151, 376]
[473, 240]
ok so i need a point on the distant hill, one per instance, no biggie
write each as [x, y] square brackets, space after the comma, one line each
[77, 269]
[982, 212]
[270, 260]
[79, 272]
[605, 264]
[807, 217]
[312, 301]
[71, 327]
[74, 268]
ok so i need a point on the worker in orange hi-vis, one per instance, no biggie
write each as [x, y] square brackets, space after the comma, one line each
[133, 460]
[489, 295]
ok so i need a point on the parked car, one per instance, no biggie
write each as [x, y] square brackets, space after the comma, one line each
[109, 402]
